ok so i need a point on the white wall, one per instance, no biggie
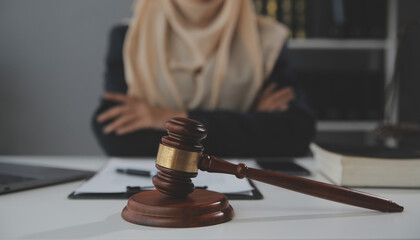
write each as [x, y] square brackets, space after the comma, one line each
[51, 73]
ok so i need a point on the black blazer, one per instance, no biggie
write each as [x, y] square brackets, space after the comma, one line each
[230, 134]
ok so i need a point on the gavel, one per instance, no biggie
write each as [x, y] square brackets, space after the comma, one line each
[179, 157]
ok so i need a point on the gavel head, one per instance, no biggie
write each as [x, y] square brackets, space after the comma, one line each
[178, 157]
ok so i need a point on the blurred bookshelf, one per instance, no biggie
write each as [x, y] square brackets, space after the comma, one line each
[336, 44]
[342, 53]
[344, 126]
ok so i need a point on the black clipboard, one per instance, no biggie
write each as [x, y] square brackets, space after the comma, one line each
[255, 194]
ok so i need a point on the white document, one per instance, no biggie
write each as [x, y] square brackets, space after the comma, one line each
[108, 180]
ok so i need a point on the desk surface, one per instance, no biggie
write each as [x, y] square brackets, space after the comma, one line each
[46, 213]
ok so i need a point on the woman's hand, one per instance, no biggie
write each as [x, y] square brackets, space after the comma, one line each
[134, 114]
[275, 100]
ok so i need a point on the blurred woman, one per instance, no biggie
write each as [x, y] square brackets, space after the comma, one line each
[214, 61]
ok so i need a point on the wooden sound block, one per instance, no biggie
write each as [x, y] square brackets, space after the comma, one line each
[200, 208]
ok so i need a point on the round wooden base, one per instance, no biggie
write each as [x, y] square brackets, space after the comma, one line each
[200, 208]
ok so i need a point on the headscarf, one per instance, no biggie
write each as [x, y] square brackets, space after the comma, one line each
[186, 54]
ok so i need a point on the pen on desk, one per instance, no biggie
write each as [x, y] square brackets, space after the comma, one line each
[137, 172]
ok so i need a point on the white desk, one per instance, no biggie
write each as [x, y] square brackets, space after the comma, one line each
[46, 213]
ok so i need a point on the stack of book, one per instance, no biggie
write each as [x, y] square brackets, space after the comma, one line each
[368, 166]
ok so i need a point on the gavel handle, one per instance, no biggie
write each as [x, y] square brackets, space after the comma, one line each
[302, 185]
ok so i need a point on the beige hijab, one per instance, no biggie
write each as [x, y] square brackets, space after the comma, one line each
[189, 54]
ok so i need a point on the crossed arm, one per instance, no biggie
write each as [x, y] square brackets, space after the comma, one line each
[134, 114]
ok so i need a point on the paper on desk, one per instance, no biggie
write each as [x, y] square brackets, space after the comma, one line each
[108, 180]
